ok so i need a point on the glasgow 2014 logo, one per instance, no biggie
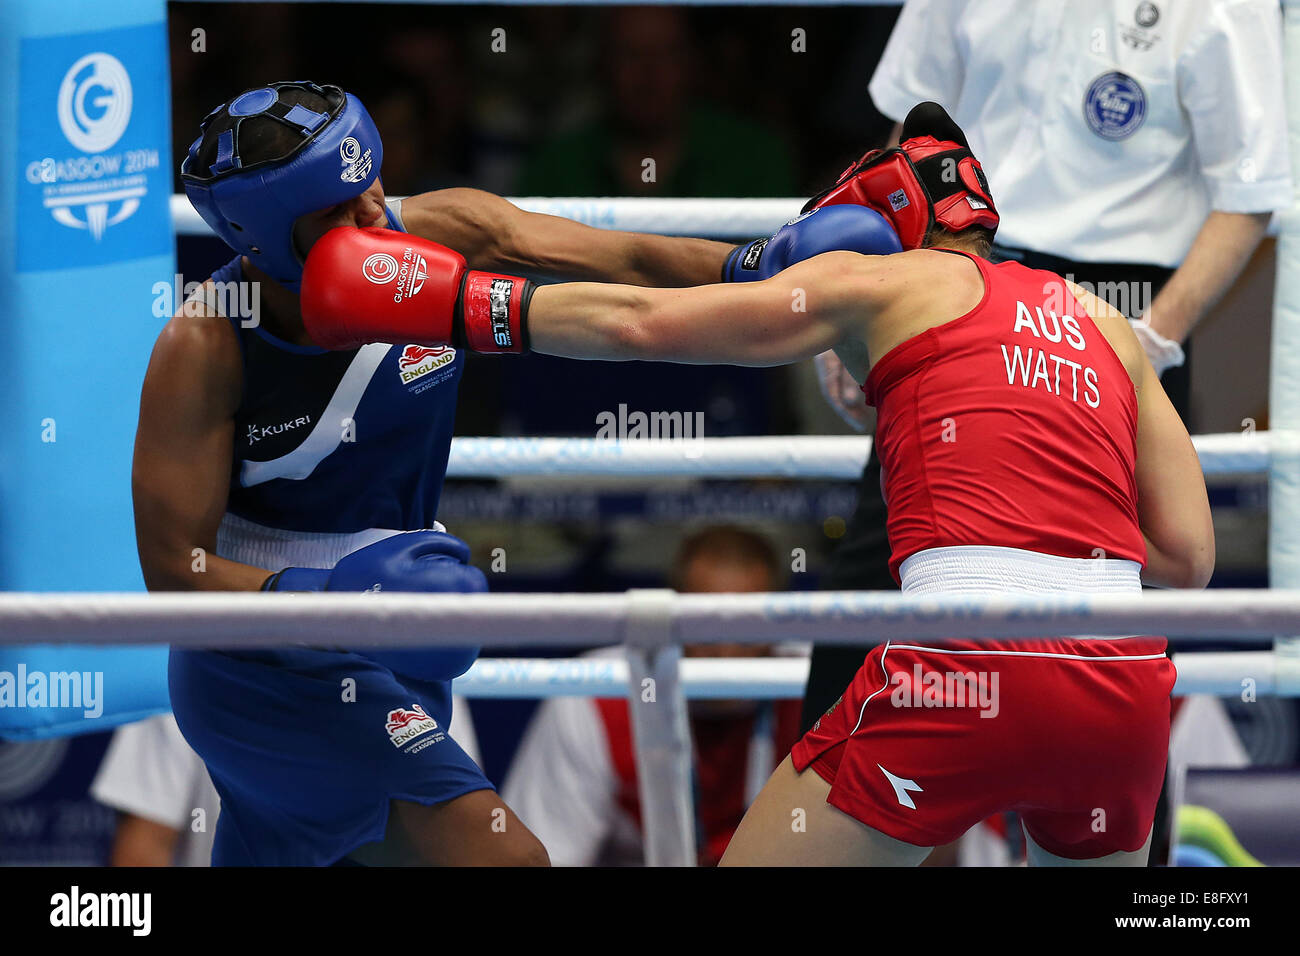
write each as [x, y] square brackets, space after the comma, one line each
[96, 189]
[95, 102]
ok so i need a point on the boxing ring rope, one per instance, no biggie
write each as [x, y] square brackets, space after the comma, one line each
[714, 218]
[720, 218]
[784, 678]
[779, 456]
[238, 620]
[652, 625]
[247, 619]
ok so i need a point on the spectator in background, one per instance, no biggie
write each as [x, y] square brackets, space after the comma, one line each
[649, 65]
[651, 113]
[409, 164]
[430, 94]
[167, 807]
[573, 781]
[1137, 148]
[166, 804]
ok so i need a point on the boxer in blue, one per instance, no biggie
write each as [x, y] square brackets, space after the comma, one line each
[263, 462]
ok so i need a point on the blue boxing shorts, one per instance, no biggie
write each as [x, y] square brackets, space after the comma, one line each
[306, 762]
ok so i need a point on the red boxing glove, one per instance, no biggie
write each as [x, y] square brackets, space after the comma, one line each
[378, 285]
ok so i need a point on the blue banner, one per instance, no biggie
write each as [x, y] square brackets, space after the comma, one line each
[93, 150]
[85, 237]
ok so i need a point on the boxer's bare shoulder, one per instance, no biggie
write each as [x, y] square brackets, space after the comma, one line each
[198, 347]
[1115, 327]
[915, 291]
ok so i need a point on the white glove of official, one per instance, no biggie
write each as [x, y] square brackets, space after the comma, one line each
[1163, 353]
[841, 391]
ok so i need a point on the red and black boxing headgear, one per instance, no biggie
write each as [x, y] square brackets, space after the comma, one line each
[931, 178]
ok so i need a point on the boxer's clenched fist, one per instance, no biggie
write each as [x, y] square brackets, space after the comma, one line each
[832, 229]
[421, 561]
[379, 285]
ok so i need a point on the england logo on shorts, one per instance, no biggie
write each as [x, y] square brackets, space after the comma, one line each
[417, 361]
[404, 726]
[1115, 105]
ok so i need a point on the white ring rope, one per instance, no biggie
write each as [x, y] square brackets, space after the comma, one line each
[784, 678]
[776, 456]
[712, 218]
[239, 619]
[720, 218]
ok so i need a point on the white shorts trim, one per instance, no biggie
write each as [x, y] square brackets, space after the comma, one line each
[987, 568]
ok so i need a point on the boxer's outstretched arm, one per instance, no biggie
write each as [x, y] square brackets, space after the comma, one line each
[496, 236]
[808, 308]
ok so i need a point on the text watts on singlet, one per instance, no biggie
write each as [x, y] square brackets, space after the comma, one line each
[1034, 366]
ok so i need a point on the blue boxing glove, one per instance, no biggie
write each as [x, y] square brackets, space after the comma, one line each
[843, 227]
[425, 561]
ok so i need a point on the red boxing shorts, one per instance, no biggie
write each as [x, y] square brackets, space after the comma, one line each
[1071, 734]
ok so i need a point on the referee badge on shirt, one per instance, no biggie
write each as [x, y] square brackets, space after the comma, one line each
[1115, 105]
[1138, 34]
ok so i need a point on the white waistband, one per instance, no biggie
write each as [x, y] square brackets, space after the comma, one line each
[247, 542]
[981, 568]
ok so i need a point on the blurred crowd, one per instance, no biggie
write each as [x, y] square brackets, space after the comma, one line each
[763, 101]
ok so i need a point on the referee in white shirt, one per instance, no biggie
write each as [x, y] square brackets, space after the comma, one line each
[1138, 148]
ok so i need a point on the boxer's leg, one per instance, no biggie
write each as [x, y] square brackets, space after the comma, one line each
[1040, 857]
[791, 824]
[316, 753]
[476, 829]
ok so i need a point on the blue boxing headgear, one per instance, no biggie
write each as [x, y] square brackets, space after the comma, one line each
[251, 200]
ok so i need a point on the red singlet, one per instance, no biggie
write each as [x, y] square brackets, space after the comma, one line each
[1006, 435]
[1013, 425]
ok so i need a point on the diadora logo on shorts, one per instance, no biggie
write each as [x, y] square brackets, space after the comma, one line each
[417, 361]
[499, 300]
[257, 432]
[356, 162]
[409, 274]
[903, 788]
[898, 200]
[404, 726]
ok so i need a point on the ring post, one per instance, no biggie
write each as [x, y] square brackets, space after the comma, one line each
[1284, 387]
[660, 729]
[86, 243]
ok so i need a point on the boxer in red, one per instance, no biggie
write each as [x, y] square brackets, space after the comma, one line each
[1026, 445]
